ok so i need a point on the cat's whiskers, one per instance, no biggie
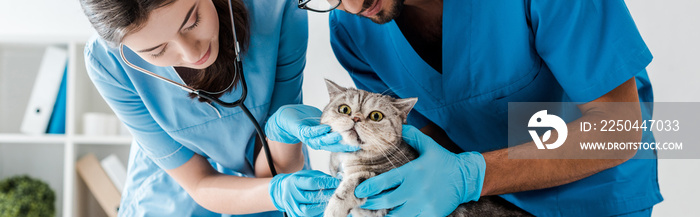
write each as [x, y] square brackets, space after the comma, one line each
[386, 91]
[389, 145]
[405, 138]
[377, 146]
[383, 145]
[381, 150]
[389, 90]
[396, 146]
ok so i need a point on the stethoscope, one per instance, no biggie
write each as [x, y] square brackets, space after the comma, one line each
[238, 67]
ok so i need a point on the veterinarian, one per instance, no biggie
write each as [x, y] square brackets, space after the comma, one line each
[194, 158]
[465, 60]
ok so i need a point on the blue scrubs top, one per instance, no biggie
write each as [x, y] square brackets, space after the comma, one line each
[501, 51]
[169, 127]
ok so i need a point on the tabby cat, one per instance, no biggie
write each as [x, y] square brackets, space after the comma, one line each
[374, 122]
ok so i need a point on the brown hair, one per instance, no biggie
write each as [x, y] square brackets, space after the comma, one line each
[114, 19]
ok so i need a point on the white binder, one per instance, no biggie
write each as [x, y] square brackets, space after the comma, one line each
[45, 91]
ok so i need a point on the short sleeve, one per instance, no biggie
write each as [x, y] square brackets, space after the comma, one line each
[361, 73]
[591, 46]
[127, 105]
[291, 58]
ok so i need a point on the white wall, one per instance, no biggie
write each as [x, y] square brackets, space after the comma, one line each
[36, 19]
[671, 29]
[320, 64]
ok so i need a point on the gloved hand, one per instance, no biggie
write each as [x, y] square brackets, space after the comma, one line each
[292, 124]
[304, 193]
[434, 184]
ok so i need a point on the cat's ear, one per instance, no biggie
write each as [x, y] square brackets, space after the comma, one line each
[405, 106]
[334, 88]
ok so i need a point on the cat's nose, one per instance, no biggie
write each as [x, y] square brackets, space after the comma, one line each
[356, 119]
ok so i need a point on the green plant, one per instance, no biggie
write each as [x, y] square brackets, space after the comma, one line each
[25, 196]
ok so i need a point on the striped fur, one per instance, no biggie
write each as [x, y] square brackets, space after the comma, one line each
[382, 150]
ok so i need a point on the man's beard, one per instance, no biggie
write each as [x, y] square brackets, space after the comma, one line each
[384, 16]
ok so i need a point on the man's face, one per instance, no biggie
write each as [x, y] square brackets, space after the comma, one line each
[379, 11]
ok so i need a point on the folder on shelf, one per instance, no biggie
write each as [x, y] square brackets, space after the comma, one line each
[57, 122]
[45, 91]
[99, 183]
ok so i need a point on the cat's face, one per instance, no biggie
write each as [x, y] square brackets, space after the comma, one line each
[369, 120]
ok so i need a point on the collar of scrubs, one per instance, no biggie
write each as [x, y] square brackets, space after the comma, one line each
[454, 60]
[419, 69]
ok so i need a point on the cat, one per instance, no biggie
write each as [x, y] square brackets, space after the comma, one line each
[374, 122]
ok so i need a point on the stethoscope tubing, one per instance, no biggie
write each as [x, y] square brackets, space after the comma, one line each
[202, 94]
[239, 103]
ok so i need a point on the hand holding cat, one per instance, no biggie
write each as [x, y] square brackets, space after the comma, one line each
[304, 193]
[292, 124]
[434, 184]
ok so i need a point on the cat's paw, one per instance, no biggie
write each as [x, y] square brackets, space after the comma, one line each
[336, 212]
[338, 206]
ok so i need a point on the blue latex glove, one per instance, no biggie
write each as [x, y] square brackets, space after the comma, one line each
[292, 124]
[434, 184]
[304, 193]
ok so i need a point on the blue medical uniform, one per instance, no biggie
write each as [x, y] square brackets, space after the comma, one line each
[501, 51]
[169, 127]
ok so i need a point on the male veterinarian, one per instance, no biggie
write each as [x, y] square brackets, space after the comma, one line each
[465, 60]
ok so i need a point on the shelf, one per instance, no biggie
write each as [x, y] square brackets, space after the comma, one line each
[29, 139]
[23, 42]
[103, 140]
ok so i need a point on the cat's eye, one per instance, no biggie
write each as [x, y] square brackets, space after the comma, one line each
[376, 116]
[344, 109]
